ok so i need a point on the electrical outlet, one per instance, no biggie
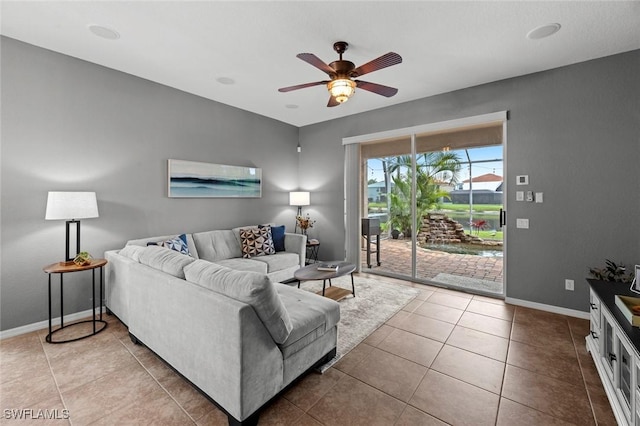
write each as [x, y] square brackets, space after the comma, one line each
[568, 285]
[522, 223]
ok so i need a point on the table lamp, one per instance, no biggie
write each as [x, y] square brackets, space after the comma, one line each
[299, 198]
[71, 206]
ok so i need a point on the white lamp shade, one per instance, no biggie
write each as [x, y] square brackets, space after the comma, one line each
[299, 198]
[71, 205]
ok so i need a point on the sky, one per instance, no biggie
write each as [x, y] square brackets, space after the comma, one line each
[483, 153]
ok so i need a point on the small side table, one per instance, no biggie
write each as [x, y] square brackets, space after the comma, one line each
[312, 251]
[61, 269]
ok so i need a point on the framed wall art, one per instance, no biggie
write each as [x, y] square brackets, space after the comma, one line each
[191, 179]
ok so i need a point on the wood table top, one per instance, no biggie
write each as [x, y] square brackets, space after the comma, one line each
[62, 267]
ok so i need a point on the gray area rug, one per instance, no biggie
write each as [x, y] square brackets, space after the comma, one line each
[376, 301]
[467, 282]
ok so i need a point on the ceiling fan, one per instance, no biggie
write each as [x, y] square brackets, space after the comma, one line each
[343, 74]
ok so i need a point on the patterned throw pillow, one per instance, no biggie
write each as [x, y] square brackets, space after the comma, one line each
[177, 243]
[277, 234]
[256, 242]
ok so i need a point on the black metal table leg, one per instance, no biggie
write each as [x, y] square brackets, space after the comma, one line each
[61, 302]
[101, 292]
[93, 298]
[353, 287]
[48, 335]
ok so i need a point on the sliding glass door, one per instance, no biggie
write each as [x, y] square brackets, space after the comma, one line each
[437, 197]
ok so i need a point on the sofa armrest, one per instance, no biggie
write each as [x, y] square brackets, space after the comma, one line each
[117, 281]
[296, 243]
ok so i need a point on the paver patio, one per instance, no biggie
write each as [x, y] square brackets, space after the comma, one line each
[395, 257]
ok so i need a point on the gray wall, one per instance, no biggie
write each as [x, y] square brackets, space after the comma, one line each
[574, 130]
[73, 125]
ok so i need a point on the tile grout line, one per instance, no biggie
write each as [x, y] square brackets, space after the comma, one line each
[160, 384]
[55, 380]
[584, 380]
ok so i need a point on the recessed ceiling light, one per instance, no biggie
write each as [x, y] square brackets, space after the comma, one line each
[291, 106]
[543, 31]
[104, 32]
[225, 80]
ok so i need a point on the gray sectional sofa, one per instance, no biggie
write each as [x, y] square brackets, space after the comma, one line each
[221, 321]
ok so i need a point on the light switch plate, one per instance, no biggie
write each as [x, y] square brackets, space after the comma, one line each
[522, 223]
[538, 197]
[519, 195]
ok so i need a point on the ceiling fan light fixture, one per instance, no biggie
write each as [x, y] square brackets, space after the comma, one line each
[342, 89]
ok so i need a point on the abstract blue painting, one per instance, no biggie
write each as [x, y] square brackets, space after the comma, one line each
[191, 179]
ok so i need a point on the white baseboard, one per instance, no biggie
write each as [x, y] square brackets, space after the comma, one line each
[45, 324]
[548, 308]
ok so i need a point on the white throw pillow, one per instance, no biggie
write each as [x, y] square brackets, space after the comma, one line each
[166, 260]
[132, 252]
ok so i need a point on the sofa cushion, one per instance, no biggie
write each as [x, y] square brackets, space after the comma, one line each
[311, 316]
[247, 265]
[177, 243]
[278, 261]
[217, 245]
[132, 252]
[166, 260]
[256, 242]
[251, 288]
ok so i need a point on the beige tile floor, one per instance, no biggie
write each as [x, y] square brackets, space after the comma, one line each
[446, 358]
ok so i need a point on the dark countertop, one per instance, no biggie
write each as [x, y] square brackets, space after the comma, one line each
[606, 292]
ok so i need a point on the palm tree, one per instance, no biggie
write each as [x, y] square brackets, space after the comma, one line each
[428, 192]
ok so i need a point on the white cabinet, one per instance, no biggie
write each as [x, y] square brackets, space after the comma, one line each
[617, 361]
[624, 374]
[636, 392]
[594, 310]
[608, 352]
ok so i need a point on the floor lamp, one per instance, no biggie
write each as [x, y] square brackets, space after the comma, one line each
[299, 199]
[71, 206]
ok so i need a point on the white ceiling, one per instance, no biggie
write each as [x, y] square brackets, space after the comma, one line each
[444, 45]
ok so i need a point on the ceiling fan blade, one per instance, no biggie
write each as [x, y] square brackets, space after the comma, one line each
[312, 59]
[376, 88]
[333, 102]
[302, 86]
[383, 61]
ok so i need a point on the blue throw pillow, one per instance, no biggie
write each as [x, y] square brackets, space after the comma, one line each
[277, 234]
[177, 243]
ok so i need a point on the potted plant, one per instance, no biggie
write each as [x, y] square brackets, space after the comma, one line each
[305, 222]
[83, 258]
[611, 272]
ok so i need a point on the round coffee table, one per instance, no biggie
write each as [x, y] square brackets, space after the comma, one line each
[311, 273]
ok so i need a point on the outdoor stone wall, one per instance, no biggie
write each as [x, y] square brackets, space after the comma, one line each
[440, 229]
